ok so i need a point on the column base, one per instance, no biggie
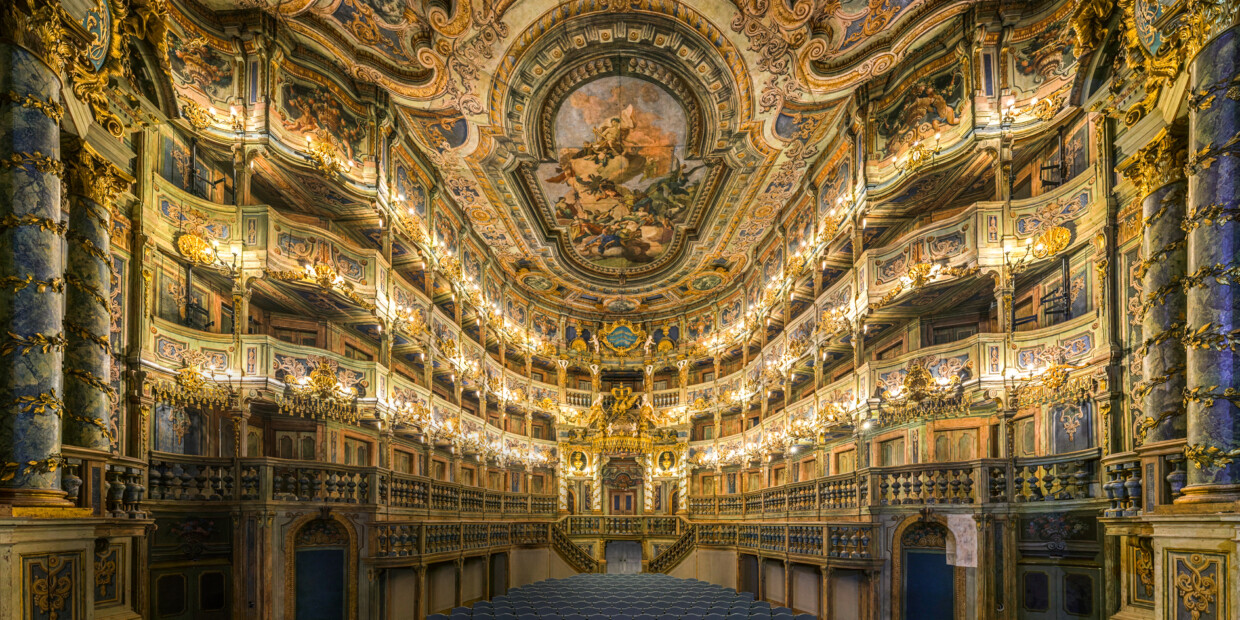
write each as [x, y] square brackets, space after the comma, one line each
[34, 497]
[1211, 494]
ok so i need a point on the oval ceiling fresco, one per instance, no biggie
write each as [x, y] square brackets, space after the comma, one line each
[621, 184]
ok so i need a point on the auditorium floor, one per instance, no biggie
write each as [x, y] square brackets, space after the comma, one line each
[645, 596]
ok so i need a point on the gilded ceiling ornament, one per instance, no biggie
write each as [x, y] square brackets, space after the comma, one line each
[622, 336]
[1088, 23]
[199, 117]
[326, 153]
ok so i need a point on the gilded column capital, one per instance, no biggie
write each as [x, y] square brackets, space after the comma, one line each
[1159, 163]
[1202, 20]
[38, 26]
[91, 175]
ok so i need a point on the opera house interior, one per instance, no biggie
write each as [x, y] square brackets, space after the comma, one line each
[619, 309]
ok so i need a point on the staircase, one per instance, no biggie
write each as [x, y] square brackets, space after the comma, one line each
[670, 557]
[568, 551]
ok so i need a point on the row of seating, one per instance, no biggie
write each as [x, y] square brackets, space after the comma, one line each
[644, 596]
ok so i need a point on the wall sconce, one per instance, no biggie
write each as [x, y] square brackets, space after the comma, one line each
[319, 394]
[919, 155]
[325, 153]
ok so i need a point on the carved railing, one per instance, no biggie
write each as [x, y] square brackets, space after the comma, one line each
[577, 398]
[933, 483]
[717, 534]
[802, 496]
[1072, 476]
[529, 533]
[673, 554]
[181, 478]
[406, 491]
[1060, 477]
[396, 539]
[321, 484]
[703, 505]
[838, 493]
[583, 526]
[775, 499]
[835, 540]
[669, 398]
[118, 484]
[196, 479]
[575, 556]
[623, 526]
[663, 526]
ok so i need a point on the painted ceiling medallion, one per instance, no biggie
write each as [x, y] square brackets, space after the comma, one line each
[537, 282]
[708, 280]
[621, 184]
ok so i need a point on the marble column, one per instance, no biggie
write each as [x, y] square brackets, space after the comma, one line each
[93, 185]
[31, 266]
[1158, 171]
[1213, 281]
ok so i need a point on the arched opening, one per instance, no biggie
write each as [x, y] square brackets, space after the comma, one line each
[321, 569]
[926, 581]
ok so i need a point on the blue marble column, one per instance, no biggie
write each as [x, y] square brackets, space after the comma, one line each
[1213, 280]
[1159, 174]
[31, 268]
[93, 186]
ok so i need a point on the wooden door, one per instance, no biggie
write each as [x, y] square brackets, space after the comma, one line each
[623, 503]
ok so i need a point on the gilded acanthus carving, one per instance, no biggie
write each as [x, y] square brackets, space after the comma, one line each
[96, 178]
[1158, 163]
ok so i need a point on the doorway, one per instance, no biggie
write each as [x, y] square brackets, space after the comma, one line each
[927, 584]
[747, 580]
[623, 503]
[624, 557]
[1052, 591]
[499, 575]
[928, 593]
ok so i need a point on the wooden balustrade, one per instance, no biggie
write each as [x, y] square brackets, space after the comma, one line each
[667, 399]
[835, 540]
[570, 552]
[926, 484]
[1059, 477]
[670, 556]
[181, 478]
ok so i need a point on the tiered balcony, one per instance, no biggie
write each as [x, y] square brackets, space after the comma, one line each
[178, 479]
[1062, 478]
